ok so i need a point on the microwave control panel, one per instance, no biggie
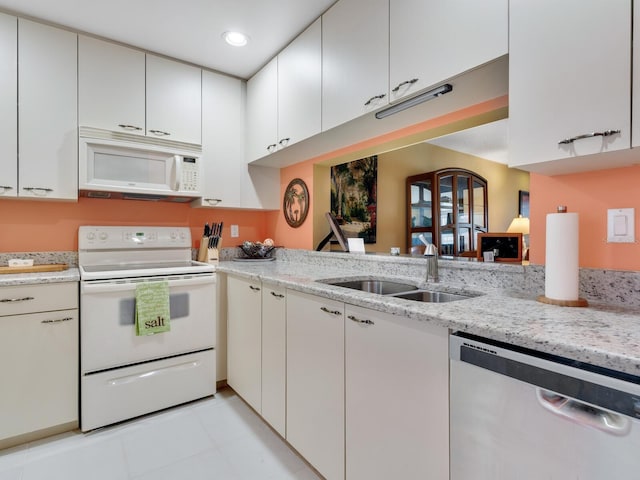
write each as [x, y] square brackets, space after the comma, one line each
[190, 174]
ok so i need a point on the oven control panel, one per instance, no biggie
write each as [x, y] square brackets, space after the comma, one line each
[126, 237]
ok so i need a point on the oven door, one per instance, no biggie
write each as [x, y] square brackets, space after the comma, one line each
[107, 322]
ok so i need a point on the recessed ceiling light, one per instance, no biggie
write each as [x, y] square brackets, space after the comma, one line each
[235, 39]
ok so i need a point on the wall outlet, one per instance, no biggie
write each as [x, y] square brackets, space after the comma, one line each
[235, 231]
[621, 225]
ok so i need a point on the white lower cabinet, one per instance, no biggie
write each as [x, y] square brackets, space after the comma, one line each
[396, 397]
[38, 361]
[244, 333]
[315, 381]
[274, 356]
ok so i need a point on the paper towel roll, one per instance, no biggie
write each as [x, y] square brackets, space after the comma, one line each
[561, 281]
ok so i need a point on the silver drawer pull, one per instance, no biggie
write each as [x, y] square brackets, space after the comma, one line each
[332, 312]
[159, 133]
[375, 97]
[38, 190]
[255, 289]
[606, 133]
[355, 319]
[58, 320]
[129, 127]
[277, 295]
[213, 201]
[11, 300]
[402, 84]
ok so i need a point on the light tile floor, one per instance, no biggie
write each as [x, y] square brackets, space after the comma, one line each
[219, 438]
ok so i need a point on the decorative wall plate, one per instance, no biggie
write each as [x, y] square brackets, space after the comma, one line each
[295, 204]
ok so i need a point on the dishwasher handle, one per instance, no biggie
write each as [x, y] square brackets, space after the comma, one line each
[583, 413]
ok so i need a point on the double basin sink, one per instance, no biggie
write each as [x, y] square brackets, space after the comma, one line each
[401, 290]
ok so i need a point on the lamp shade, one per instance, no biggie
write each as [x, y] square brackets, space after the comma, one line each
[519, 224]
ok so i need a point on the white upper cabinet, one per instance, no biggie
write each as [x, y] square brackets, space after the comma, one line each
[174, 100]
[262, 111]
[569, 79]
[299, 87]
[432, 40]
[223, 114]
[8, 106]
[284, 97]
[355, 60]
[111, 86]
[635, 134]
[48, 113]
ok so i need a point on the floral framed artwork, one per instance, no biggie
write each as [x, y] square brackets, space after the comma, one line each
[295, 204]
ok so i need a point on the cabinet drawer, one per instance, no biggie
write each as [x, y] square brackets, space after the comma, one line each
[16, 300]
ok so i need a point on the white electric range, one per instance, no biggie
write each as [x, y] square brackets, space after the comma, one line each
[124, 375]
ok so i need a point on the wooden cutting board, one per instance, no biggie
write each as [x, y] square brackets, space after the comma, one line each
[51, 267]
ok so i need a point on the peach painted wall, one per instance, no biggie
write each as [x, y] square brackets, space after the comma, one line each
[33, 226]
[590, 195]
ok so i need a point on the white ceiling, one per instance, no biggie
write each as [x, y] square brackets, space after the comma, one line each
[488, 141]
[185, 29]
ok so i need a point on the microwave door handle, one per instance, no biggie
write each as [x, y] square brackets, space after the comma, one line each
[178, 171]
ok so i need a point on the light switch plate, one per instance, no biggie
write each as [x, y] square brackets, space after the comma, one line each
[235, 231]
[621, 225]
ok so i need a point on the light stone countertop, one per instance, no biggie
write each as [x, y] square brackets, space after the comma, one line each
[72, 274]
[603, 335]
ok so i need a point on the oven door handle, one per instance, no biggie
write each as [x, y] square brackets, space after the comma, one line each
[103, 287]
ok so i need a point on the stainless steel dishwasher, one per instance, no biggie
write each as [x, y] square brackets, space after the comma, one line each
[520, 414]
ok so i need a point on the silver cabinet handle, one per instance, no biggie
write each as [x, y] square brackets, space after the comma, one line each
[606, 133]
[130, 127]
[375, 97]
[284, 142]
[406, 82]
[58, 320]
[355, 319]
[11, 300]
[5, 188]
[583, 413]
[277, 295]
[255, 289]
[159, 133]
[38, 190]
[272, 148]
[213, 201]
[332, 312]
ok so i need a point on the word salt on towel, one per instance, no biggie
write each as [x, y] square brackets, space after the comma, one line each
[152, 308]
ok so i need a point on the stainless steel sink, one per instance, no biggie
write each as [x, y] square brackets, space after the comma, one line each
[433, 297]
[381, 287]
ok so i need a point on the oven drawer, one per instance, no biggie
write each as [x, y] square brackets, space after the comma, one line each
[17, 300]
[123, 393]
[108, 332]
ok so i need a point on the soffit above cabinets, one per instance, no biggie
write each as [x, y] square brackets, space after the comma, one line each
[188, 30]
[488, 141]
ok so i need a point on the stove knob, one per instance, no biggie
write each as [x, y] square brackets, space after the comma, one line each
[91, 236]
[103, 235]
[173, 235]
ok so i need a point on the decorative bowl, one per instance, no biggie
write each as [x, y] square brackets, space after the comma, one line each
[256, 249]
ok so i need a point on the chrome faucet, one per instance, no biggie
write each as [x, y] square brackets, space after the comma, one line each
[431, 252]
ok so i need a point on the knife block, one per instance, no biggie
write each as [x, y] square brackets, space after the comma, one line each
[213, 254]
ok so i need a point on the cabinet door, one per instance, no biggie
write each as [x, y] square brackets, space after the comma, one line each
[262, 112]
[174, 97]
[39, 359]
[223, 115]
[48, 118]
[315, 381]
[111, 86]
[8, 106]
[244, 319]
[274, 347]
[397, 402]
[432, 40]
[569, 75]
[355, 60]
[299, 87]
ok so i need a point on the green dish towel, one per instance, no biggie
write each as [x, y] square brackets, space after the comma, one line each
[152, 308]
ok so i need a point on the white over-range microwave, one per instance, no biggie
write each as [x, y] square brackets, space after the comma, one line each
[122, 165]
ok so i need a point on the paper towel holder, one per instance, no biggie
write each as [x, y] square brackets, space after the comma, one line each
[580, 302]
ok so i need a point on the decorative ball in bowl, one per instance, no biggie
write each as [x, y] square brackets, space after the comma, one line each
[257, 249]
